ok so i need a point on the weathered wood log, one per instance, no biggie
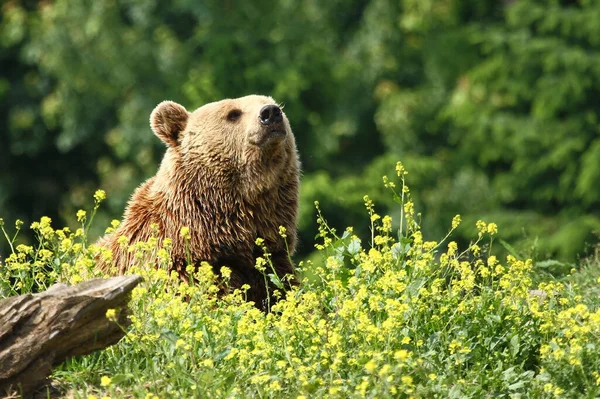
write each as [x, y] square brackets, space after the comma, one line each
[40, 331]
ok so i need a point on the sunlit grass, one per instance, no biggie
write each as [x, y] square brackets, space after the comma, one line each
[389, 315]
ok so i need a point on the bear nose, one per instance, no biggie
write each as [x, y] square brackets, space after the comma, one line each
[270, 114]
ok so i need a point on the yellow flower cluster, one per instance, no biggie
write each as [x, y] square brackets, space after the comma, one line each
[391, 316]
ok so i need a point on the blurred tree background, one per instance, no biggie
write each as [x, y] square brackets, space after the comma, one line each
[492, 106]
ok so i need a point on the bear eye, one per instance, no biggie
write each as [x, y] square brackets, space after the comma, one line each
[234, 115]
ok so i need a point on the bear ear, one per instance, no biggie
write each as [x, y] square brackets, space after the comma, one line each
[168, 120]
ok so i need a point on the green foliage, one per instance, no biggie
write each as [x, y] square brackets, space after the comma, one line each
[533, 126]
[505, 115]
[385, 315]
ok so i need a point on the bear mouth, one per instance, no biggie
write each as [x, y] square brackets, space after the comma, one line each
[277, 132]
[268, 136]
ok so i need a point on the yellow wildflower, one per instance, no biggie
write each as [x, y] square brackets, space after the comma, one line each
[105, 381]
[370, 366]
[111, 314]
[81, 215]
[456, 221]
[407, 380]
[99, 196]
[184, 233]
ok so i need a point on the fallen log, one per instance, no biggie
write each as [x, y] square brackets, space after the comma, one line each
[40, 331]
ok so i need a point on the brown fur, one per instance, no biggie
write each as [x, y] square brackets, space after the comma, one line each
[229, 181]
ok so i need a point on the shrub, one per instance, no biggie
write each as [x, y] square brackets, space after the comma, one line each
[386, 316]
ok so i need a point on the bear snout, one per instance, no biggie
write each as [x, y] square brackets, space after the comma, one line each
[270, 114]
[272, 126]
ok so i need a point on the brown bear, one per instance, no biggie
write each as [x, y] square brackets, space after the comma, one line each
[231, 174]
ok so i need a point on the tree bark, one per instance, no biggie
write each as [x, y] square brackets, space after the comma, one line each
[40, 331]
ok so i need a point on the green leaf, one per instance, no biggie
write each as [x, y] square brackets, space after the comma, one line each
[275, 280]
[515, 345]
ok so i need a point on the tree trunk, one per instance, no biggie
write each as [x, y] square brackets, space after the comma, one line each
[40, 331]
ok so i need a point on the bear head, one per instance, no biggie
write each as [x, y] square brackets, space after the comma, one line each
[246, 141]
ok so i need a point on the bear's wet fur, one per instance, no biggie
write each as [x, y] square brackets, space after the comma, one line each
[231, 174]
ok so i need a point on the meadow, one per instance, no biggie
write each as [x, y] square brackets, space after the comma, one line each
[393, 314]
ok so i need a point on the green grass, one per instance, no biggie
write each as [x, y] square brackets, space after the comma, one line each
[390, 315]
